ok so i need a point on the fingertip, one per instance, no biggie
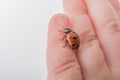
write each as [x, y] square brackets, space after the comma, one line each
[59, 19]
[57, 22]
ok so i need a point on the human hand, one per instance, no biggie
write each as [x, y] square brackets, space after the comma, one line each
[97, 22]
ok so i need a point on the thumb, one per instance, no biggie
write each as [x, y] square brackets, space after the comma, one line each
[62, 62]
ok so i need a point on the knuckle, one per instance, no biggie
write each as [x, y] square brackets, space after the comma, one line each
[112, 25]
[75, 9]
[67, 63]
[79, 10]
[87, 37]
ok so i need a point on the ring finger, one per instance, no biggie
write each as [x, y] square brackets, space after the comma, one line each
[116, 6]
[107, 26]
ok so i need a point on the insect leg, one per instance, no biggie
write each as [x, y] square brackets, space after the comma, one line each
[63, 38]
[65, 43]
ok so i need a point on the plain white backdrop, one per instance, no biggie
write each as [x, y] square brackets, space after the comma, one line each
[23, 37]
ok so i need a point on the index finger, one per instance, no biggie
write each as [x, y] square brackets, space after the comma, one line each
[61, 61]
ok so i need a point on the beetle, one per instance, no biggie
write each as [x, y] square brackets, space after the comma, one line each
[71, 37]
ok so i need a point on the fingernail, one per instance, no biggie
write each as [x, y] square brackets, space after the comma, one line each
[62, 20]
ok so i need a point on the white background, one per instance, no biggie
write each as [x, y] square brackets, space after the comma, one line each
[23, 36]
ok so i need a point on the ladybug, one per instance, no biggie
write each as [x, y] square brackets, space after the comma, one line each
[72, 38]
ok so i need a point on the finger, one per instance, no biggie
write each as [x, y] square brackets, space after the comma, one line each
[72, 9]
[107, 27]
[116, 6]
[90, 54]
[62, 62]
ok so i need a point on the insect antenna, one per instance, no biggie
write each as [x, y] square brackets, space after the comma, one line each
[61, 31]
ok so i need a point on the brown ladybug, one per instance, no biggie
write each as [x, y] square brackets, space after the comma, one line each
[72, 38]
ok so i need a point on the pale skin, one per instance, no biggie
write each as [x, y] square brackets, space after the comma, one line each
[97, 23]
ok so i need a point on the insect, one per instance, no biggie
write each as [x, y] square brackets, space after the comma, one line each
[72, 38]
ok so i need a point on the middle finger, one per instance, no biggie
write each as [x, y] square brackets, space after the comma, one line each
[90, 54]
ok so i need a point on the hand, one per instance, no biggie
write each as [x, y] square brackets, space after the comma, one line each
[98, 58]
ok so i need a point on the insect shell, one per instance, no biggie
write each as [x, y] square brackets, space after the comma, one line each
[72, 38]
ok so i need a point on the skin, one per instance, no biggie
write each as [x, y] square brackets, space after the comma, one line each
[97, 23]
